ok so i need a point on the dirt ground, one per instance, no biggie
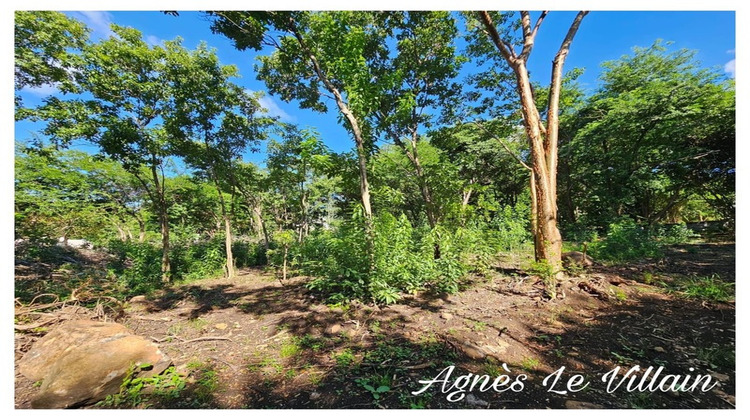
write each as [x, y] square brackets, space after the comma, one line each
[254, 343]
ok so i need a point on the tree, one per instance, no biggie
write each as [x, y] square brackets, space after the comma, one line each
[320, 55]
[71, 194]
[45, 49]
[129, 101]
[217, 119]
[663, 131]
[417, 79]
[294, 165]
[543, 139]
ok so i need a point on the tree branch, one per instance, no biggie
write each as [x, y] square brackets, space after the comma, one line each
[505, 49]
[503, 143]
[529, 34]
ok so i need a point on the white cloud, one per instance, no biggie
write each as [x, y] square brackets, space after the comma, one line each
[153, 40]
[99, 22]
[42, 91]
[730, 67]
[273, 109]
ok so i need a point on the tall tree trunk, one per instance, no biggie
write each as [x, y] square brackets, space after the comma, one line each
[230, 269]
[141, 231]
[547, 240]
[543, 141]
[228, 243]
[364, 186]
[260, 225]
[166, 268]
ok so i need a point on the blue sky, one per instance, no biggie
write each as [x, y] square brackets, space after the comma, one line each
[603, 36]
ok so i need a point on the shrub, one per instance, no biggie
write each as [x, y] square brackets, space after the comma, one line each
[403, 259]
[136, 265]
[674, 234]
[625, 241]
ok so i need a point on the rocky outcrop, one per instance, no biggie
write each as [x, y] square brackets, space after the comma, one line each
[81, 362]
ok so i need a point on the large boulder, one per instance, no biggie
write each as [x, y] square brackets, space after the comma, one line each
[81, 362]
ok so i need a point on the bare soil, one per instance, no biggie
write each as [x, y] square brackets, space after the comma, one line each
[251, 342]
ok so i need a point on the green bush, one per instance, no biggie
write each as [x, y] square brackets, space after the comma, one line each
[137, 266]
[403, 259]
[674, 234]
[626, 241]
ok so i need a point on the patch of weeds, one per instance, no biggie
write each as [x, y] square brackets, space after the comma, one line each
[415, 402]
[290, 349]
[640, 400]
[648, 278]
[175, 329]
[268, 361]
[530, 363]
[343, 306]
[622, 360]
[290, 374]
[710, 288]
[619, 294]
[344, 358]
[376, 384]
[375, 326]
[311, 342]
[574, 269]
[386, 350]
[479, 326]
[718, 356]
[493, 370]
[315, 378]
[139, 392]
[198, 323]
[546, 272]
[206, 382]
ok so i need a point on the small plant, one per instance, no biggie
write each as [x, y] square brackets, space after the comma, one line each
[344, 359]
[640, 400]
[530, 363]
[619, 294]
[377, 385]
[648, 278]
[290, 349]
[718, 356]
[547, 273]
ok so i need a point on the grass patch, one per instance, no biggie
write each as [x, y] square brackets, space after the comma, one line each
[530, 363]
[718, 356]
[711, 288]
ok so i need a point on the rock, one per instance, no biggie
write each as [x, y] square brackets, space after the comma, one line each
[334, 329]
[578, 405]
[475, 402]
[659, 349]
[38, 361]
[81, 362]
[497, 349]
[221, 326]
[314, 396]
[138, 299]
[446, 316]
